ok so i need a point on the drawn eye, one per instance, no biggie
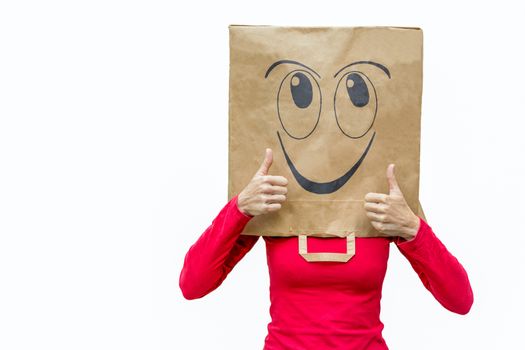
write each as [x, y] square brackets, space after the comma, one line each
[355, 104]
[299, 104]
[357, 90]
[301, 90]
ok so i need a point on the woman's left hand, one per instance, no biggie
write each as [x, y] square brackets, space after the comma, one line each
[389, 213]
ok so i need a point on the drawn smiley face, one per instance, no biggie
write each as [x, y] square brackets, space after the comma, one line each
[355, 106]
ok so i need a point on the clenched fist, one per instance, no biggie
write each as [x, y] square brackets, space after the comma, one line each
[390, 213]
[264, 193]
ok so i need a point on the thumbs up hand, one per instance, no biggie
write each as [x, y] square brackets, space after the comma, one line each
[264, 193]
[390, 213]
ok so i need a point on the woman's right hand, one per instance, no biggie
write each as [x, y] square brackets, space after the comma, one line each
[264, 193]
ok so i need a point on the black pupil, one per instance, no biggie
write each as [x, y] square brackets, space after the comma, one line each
[301, 89]
[357, 90]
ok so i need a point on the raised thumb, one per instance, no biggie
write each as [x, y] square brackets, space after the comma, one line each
[391, 178]
[265, 166]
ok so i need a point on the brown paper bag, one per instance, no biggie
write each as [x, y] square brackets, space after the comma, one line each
[336, 105]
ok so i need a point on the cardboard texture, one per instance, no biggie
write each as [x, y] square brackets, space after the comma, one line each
[336, 106]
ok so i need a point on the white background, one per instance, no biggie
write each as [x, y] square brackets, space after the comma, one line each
[111, 167]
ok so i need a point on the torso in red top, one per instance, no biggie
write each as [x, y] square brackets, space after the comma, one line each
[326, 305]
[323, 305]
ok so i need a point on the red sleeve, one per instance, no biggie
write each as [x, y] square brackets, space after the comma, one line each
[216, 252]
[441, 273]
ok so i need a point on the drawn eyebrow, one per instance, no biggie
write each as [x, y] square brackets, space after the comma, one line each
[275, 64]
[378, 65]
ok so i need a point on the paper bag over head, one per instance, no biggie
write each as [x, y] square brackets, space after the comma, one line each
[336, 106]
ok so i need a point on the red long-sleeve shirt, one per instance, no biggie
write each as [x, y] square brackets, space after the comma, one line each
[323, 305]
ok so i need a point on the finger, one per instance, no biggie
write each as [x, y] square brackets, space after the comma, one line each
[273, 206]
[276, 180]
[276, 190]
[376, 197]
[385, 228]
[379, 208]
[391, 178]
[378, 225]
[376, 217]
[390, 228]
[276, 198]
[267, 162]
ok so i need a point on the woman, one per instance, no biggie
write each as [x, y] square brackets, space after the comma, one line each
[325, 305]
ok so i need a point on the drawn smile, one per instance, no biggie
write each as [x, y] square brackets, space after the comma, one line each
[324, 187]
